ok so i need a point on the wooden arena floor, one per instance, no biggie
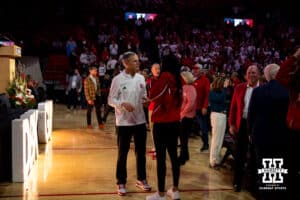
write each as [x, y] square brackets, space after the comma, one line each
[79, 164]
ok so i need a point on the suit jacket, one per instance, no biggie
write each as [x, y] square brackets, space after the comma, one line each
[89, 88]
[267, 113]
[237, 105]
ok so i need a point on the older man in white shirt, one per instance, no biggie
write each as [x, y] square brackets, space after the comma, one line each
[127, 95]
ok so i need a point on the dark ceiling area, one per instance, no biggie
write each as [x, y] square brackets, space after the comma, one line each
[27, 17]
[37, 11]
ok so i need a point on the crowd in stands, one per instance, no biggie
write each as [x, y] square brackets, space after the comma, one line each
[223, 48]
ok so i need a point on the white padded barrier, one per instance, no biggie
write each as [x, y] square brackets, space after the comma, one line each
[32, 115]
[24, 146]
[45, 120]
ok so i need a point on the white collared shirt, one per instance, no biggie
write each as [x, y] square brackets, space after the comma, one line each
[74, 81]
[129, 89]
[102, 70]
[247, 98]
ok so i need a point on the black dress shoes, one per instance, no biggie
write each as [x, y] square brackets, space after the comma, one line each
[204, 148]
[182, 160]
[236, 188]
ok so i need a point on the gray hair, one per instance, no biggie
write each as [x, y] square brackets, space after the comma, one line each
[127, 55]
[270, 71]
[187, 77]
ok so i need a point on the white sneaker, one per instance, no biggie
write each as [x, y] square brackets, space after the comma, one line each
[155, 196]
[143, 185]
[121, 189]
[173, 195]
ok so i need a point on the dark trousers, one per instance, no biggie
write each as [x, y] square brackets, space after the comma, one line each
[124, 134]
[203, 122]
[72, 98]
[242, 151]
[107, 108]
[165, 139]
[185, 131]
[293, 164]
[146, 114]
[83, 102]
[97, 105]
[72, 60]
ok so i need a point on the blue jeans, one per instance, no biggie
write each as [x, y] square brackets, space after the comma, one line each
[202, 120]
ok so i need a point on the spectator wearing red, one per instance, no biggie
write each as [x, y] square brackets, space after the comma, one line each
[155, 71]
[289, 76]
[202, 86]
[166, 94]
[187, 61]
[238, 122]
[235, 79]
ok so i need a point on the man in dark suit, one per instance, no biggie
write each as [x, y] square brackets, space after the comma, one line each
[238, 122]
[266, 124]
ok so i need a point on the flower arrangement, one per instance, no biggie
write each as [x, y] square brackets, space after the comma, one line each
[19, 95]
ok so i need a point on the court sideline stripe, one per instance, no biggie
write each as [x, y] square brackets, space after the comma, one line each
[113, 193]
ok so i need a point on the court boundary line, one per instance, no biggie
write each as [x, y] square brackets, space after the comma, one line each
[113, 193]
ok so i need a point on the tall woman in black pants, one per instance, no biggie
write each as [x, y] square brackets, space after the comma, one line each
[166, 93]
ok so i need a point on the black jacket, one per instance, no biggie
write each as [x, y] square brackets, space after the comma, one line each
[267, 114]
